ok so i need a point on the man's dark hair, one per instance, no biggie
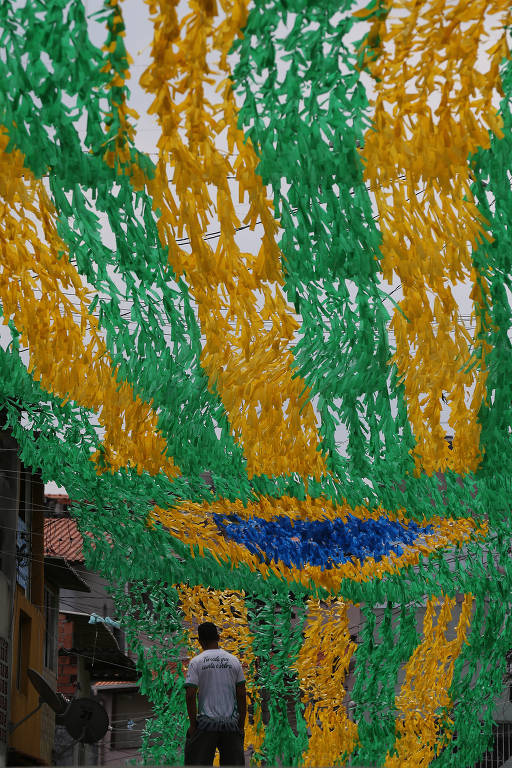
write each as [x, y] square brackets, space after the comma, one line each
[207, 632]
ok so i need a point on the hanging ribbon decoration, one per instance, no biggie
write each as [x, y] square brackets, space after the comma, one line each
[254, 431]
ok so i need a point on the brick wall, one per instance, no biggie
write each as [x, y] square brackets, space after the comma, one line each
[65, 632]
[67, 671]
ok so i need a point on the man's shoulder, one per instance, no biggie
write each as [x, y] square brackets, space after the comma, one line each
[234, 659]
[215, 654]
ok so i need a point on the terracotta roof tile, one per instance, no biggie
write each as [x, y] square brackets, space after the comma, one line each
[63, 539]
[112, 683]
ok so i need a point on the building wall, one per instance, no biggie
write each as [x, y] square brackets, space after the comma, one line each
[73, 681]
[33, 739]
[97, 600]
[67, 665]
[26, 739]
[48, 722]
[73, 678]
[4, 696]
[127, 710]
[8, 511]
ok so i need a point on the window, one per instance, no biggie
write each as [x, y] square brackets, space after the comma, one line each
[50, 629]
[23, 529]
[23, 660]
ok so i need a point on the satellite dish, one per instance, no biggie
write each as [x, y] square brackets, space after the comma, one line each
[47, 695]
[85, 720]
[55, 701]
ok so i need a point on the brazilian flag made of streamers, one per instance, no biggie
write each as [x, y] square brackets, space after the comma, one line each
[271, 361]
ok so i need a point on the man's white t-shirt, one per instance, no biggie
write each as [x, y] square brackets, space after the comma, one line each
[216, 674]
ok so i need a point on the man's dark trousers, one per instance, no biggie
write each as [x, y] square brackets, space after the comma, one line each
[200, 748]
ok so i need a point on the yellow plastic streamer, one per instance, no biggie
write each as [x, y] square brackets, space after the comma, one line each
[428, 676]
[228, 612]
[69, 357]
[434, 108]
[242, 311]
[117, 152]
[322, 666]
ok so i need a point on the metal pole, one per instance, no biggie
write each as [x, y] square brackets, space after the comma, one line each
[13, 726]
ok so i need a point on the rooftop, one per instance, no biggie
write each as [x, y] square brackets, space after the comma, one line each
[63, 539]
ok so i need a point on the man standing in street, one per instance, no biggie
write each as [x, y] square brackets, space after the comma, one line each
[216, 703]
